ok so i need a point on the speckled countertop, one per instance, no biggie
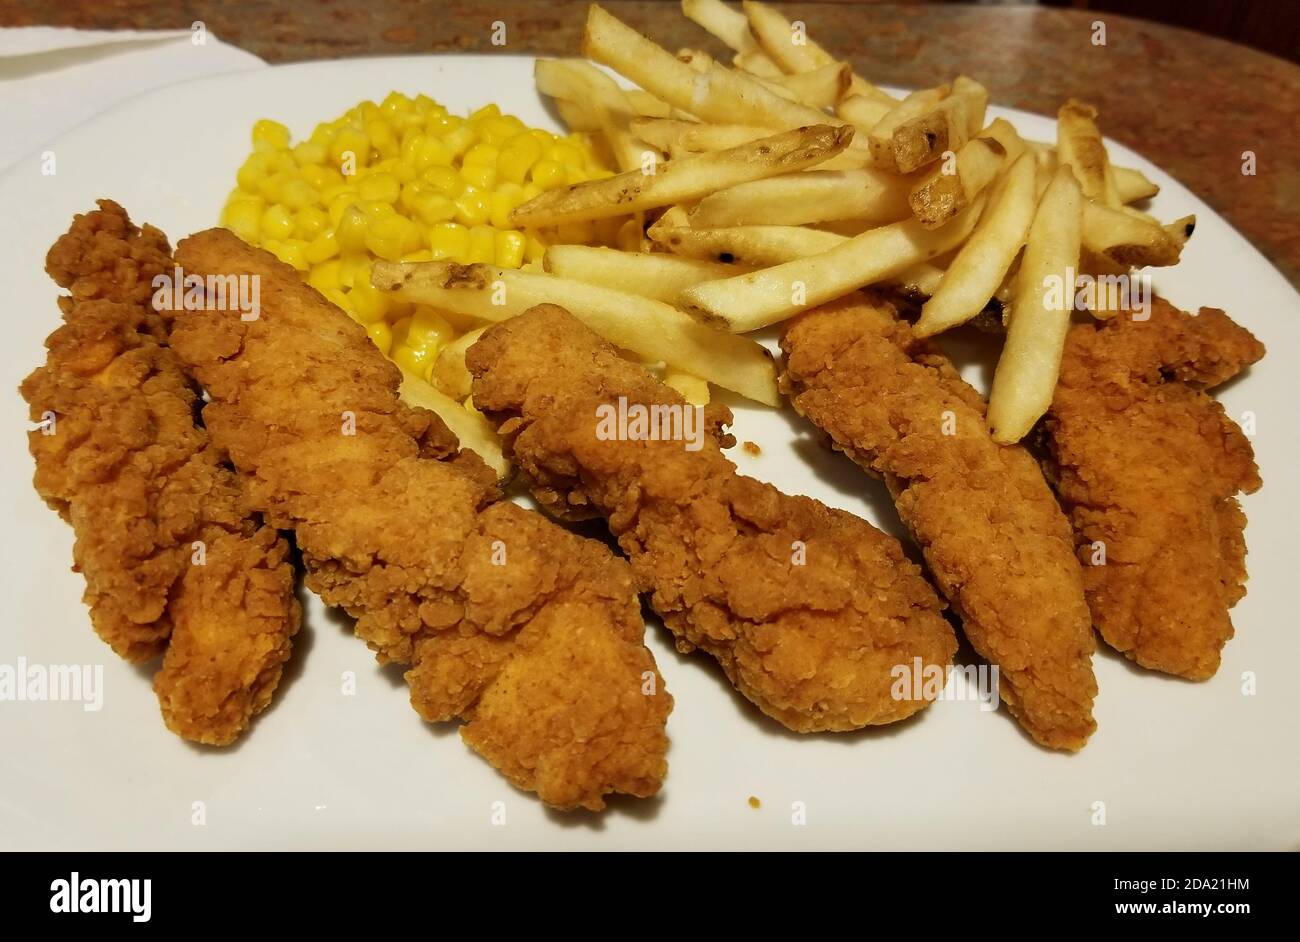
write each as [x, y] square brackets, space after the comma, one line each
[1190, 103]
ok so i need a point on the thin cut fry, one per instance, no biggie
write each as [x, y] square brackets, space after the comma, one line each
[686, 179]
[752, 246]
[654, 275]
[747, 302]
[800, 198]
[974, 275]
[470, 428]
[1080, 147]
[1040, 312]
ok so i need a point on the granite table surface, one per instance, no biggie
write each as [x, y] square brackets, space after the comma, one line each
[1189, 102]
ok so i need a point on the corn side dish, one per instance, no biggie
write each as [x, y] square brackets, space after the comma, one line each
[404, 180]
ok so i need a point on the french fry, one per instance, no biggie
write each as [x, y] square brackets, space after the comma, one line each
[927, 123]
[449, 374]
[720, 94]
[654, 275]
[748, 302]
[647, 105]
[685, 179]
[756, 63]
[982, 262]
[751, 246]
[679, 138]
[651, 329]
[921, 279]
[1040, 312]
[1080, 147]
[693, 389]
[912, 108]
[948, 189]
[723, 23]
[793, 49]
[796, 199]
[1129, 240]
[862, 112]
[470, 428]
[576, 117]
[1132, 186]
[820, 88]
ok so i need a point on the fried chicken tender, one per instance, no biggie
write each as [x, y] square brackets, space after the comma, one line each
[1148, 467]
[530, 634]
[991, 532]
[171, 559]
[809, 610]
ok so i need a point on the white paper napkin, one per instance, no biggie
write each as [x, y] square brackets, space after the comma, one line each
[52, 79]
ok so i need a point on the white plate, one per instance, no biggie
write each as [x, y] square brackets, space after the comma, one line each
[1178, 765]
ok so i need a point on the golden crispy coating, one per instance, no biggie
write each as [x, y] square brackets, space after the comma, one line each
[1148, 467]
[529, 633]
[995, 540]
[168, 553]
[807, 609]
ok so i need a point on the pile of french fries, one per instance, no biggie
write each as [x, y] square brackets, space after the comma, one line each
[755, 191]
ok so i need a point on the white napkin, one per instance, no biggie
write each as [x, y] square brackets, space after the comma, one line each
[52, 78]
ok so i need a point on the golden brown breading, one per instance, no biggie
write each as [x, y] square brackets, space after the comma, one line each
[531, 634]
[169, 555]
[807, 609]
[1148, 467]
[995, 540]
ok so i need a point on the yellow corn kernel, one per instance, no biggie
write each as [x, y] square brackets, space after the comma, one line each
[449, 240]
[340, 205]
[354, 270]
[324, 246]
[567, 154]
[339, 300]
[482, 244]
[518, 154]
[500, 203]
[382, 137]
[382, 187]
[401, 326]
[545, 138]
[296, 193]
[534, 247]
[416, 362]
[460, 139]
[382, 335]
[351, 229]
[391, 237]
[368, 304]
[420, 255]
[445, 179]
[433, 152]
[428, 329]
[548, 174]
[482, 176]
[270, 135]
[487, 111]
[310, 153]
[375, 208]
[277, 222]
[325, 276]
[290, 251]
[321, 178]
[350, 141]
[252, 171]
[433, 208]
[495, 130]
[310, 222]
[510, 247]
[244, 219]
[472, 207]
[485, 154]
[440, 122]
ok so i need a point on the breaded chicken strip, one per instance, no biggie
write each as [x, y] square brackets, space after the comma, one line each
[1148, 467]
[809, 610]
[170, 557]
[529, 633]
[995, 540]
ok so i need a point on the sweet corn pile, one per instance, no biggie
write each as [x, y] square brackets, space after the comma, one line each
[404, 180]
